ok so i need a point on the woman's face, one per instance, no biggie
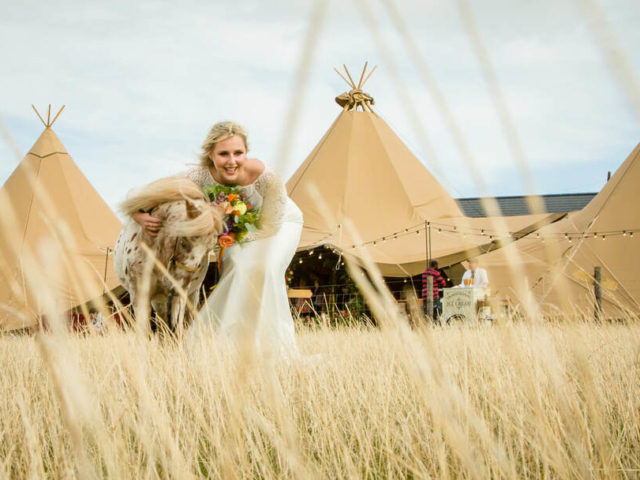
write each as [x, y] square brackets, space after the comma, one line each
[228, 157]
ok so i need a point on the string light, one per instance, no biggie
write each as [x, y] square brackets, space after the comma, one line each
[486, 233]
[320, 257]
[311, 253]
[300, 261]
[604, 237]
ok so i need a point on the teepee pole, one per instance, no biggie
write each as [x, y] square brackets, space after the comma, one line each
[365, 80]
[353, 84]
[368, 107]
[49, 116]
[364, 70]
[39, 116]
[56, 117]
[342, 76]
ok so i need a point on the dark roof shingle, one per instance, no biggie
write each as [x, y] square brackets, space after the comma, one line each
[517, 205]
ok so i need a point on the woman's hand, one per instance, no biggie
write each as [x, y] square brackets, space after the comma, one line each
[150, 224]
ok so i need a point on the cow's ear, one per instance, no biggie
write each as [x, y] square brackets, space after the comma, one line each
[192, 210]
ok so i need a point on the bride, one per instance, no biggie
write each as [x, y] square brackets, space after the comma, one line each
[249, 306]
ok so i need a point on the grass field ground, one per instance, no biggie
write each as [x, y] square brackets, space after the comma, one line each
[523, 400]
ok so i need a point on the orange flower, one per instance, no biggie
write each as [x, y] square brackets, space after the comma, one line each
[236, 213]
[231, 197]
[227, 239]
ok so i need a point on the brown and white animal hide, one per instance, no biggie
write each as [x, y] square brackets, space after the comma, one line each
[186, 259]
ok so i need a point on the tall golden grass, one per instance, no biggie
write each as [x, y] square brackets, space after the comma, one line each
[525, 400]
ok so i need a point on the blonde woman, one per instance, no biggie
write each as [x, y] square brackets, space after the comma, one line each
[249, 305]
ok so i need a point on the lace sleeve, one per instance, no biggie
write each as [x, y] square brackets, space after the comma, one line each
[199, 175]
[274, 200]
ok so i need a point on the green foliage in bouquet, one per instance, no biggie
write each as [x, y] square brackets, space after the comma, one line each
[241, 217]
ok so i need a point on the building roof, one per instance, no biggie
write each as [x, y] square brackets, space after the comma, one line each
[517, 205]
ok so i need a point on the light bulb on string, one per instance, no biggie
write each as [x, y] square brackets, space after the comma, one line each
[631, 234]
[384, 239]
[595, 235]
[311, 253]
[375, 244]
[624, 233]
[604, 237]
[395, 237]
[320, 257]
[418, 232]
[482, 232]
[300, 261]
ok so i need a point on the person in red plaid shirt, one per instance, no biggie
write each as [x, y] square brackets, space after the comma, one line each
[438, 283]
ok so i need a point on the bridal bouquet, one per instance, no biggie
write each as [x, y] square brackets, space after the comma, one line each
[240, 217]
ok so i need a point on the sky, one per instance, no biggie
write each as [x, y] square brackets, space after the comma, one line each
[143, 82]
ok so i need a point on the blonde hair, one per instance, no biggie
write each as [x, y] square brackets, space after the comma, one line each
[176, 189]
[172, 189]
[218, 133]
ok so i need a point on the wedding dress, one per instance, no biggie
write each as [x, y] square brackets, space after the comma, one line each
[250, 303]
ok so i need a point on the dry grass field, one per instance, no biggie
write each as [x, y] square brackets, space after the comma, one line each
[525, 400]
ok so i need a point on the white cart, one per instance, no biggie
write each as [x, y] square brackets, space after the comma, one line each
[462, 304]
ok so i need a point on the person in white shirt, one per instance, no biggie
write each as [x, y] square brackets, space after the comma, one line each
[477, 275]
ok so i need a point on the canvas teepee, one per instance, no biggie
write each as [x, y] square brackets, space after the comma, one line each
[559, 260]
[57, 236]
[361, 173]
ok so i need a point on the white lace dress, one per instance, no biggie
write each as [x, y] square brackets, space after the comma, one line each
[250, 302]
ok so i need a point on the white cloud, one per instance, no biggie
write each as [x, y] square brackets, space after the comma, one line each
[143, 81]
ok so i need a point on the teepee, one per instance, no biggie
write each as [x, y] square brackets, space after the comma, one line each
[57, 236]
[362, 190]
[559, 261]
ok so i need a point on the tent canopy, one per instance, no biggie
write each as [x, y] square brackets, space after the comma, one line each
[362, 187]
[559, 271]
[57, 236]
